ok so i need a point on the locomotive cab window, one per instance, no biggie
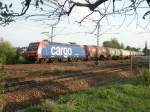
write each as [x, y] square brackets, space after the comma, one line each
[33, 47]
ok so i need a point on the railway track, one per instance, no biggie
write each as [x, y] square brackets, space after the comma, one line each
[15, 85]
[21, 84]
[27, 83]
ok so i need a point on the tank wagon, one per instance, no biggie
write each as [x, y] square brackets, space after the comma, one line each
[92, 54]
[45, 51]
[125, 54]
[114, 53]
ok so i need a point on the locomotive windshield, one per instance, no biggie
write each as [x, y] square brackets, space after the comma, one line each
[33, 47]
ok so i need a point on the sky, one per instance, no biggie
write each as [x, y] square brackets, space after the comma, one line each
[22, 32]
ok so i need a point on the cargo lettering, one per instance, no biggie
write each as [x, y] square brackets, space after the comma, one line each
[61, 51]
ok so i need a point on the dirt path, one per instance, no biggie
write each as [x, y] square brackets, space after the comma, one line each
[31, 83]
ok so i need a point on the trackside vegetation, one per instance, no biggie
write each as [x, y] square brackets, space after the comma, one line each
[3, 77]
[9, 54]
[143, 77]
[127, 96]
[121, 97]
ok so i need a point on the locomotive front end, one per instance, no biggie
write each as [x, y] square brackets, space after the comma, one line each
[32, 52]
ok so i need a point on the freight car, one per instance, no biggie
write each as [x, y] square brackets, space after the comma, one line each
[92, 54]
[114, 53]
[47, 52]
[125, 54]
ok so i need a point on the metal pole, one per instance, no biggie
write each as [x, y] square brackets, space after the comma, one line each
[97, 57]
[52, 31]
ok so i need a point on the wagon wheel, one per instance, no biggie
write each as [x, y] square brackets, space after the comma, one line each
[69, 59]
[50, 60]
[37, 61]
[109, 57]
[76, 59]
[46, 60]
[102, 57]
[58, 60]
[43, 61]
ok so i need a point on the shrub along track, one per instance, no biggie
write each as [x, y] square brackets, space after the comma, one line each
[32, 83]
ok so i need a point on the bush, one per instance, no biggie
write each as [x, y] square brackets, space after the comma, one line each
[7, 52]
[10, 55]
[144, 76]
[20, 59]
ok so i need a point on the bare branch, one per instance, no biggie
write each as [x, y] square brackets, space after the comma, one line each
[92, 7]
[50, 9]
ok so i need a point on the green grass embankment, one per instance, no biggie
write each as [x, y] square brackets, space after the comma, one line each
[120, 97]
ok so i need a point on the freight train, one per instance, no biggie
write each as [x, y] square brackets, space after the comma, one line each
[45, 51]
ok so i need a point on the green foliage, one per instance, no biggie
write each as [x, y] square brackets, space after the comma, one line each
[49, 106]
[113, 43]
[20, 58]
[132, 48]
[33, 109]
[144, 76]
[3, 77]
[146, 50]
[10, 55]
[7, 52]
[121, 97]
[5, 17]
[122, 46]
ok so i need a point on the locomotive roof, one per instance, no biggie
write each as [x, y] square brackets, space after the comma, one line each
[54, 43]
[57, 43]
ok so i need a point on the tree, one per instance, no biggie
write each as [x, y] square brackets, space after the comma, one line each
[146, 50]
[122, 46]
[55, 9]
[113, 43]
[5, 16]
[132, 48]
[7, 52]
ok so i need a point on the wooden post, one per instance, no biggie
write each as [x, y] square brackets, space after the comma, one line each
[131, 63]
[97, 57]
[149, 61]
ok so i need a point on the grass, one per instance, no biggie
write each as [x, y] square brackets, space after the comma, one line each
[121, 97]
[144, 76]
[3, 76]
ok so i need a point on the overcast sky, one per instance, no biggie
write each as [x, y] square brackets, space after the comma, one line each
[22, 32]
